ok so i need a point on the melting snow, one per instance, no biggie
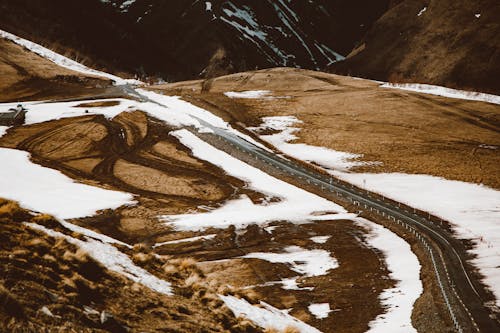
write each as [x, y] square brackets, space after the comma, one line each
[405, 269]
[247, 94]
[62, 60]
[303, 261]
[327, 158]
[296, 205]
[320, 310]
[320, 239]
[3, 130]
[112, 259]
[49, 191]
[446, 92]
[423, 10]
[266, 316]
[474, 211]
[186, 240]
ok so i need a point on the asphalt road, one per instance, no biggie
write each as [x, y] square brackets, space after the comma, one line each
[463, 295]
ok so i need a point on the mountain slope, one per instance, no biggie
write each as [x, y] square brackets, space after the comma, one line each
[445, 42]
[181, 39]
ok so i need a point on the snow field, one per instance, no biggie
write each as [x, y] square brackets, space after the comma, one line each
[296, 205]
[46, 190]
[404, 268]
[474, 210]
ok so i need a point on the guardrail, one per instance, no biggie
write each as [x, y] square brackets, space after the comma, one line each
[346, 191]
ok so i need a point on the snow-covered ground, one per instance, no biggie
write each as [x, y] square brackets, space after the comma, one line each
[111, 258]
[405, 269]
[327, 158]
[38, 112]
[473, 210]
[64, 61]
[320, 239]
[303, 261]
[443, 91]
[49, 191]
[266, 316]
[3, 130]
[186, 240]
[248, 94]
[320, 310]
[295, 205]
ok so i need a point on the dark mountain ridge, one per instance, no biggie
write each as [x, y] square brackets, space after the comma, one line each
[445, 42]
[185, 39]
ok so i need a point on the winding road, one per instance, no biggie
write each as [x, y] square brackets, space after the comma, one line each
[463, 295]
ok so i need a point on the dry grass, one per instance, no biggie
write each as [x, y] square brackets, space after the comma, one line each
[291, 329]
[142, 259]
[9, 304]
[407, 132]
[9, 209]
[271, 330]
[98, 104]
[46, 271]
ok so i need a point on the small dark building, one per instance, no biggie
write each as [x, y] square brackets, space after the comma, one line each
[13, 117]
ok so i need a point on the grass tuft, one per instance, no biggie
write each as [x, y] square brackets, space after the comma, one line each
[9, 304]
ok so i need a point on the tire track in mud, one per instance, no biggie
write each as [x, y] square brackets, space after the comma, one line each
[125, 141]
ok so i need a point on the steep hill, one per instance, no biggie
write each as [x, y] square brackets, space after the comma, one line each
[444, 42]
[180, 39]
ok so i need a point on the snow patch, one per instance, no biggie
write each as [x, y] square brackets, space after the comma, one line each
[423, 10]
[266, 316]
[295, 205]
[473, 210]
[306, 262]
[320, 310]
[320, 239]
[445, 92]
[46, 190]
[186, 240]
[3, 130]
[404, 267]
[247, 94]
[112, 259]
[327, 158]
[64, 61]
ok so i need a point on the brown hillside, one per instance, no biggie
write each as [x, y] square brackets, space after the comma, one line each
[452, 43]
